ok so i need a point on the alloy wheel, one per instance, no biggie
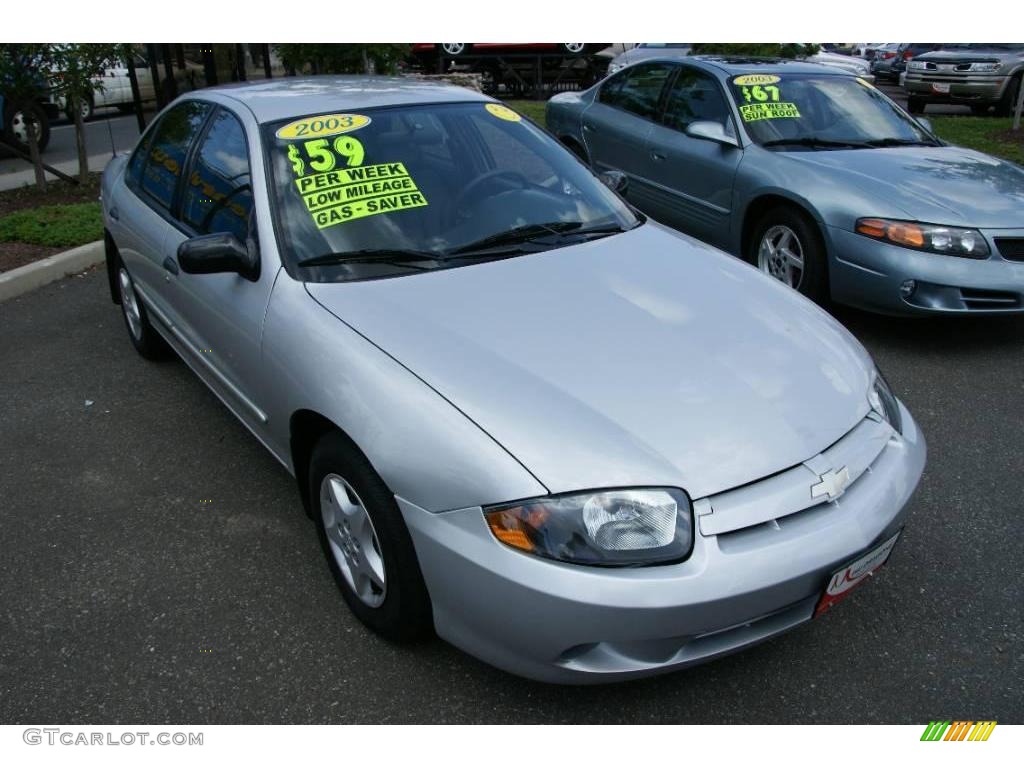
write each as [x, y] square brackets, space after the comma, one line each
[353, 540]
[781, 255]
[453, 49]
[130, 304]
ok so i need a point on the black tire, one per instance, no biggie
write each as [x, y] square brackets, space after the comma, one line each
[813, 281]
[1009, 101]
[144, 337]
[88, 111]
[457, 50]
[405, 613]
[14, 117]
[916, 105]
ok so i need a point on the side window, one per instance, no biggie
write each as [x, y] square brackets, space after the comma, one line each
[695, 96]
[639, 90]
[218, 195]
[133, 174]
[168, 148]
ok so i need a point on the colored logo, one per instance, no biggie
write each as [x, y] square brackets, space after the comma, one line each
[958, 730]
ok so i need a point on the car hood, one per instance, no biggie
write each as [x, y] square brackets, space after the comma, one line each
[958, 55]
[645, 358]
[938, 185]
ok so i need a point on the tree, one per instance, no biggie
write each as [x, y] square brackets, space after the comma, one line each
[338, 58]
[78, 67]
[770, 50]
[23, 80]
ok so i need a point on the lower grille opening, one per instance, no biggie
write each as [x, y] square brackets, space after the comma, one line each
[978, 299]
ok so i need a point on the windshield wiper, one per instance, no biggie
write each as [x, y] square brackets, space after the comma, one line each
[892, 141]
[530, 232]
[811, 141]
[370, 255]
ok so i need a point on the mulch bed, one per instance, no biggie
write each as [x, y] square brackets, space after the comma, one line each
[1011, 136]
[57, 193]
[13, 255]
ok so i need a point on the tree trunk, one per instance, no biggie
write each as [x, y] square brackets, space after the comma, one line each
[83, 157]
[33, 150]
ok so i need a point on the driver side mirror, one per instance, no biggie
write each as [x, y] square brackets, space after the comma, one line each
[616, 181]
[711, 131]
[221, 252]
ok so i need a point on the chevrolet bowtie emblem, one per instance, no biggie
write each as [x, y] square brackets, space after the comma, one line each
[832, 484]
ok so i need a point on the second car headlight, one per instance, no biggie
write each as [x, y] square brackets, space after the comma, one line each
[952, 241]
[884, 402]
[627, 527]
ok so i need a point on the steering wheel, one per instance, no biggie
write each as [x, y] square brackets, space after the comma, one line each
[485, 178]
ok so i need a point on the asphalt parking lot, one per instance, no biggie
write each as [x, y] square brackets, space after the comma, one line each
[157, 566]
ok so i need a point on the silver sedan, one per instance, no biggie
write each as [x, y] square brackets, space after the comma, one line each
[578, 445]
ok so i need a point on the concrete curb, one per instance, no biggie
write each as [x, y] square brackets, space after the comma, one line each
[40, 273]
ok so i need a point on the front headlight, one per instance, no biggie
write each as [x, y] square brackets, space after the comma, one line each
[984, 66]
[628, 527]
[952, 241]
[884, 403]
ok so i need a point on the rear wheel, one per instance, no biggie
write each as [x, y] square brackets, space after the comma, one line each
[86, 107]
[366, 542]
[572, 49]
[19, 121]
[453, 50]
[787, 246]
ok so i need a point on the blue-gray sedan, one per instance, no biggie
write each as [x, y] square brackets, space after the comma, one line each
[814, 176]
[519, 413]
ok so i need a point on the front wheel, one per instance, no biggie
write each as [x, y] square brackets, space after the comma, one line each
[366, 542]
[144, 337]
[85, 106]
[788, 247]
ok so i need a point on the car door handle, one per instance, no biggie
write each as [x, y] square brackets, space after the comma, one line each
[657, 156]
[171, 265]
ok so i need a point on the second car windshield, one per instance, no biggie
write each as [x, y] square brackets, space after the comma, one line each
[821, 112]
[379, 192]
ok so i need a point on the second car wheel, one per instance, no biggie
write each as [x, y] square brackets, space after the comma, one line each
[144, 337]
[787, 246]
[366, 543]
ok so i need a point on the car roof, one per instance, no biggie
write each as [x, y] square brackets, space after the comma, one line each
[740, 65]
[286, 97]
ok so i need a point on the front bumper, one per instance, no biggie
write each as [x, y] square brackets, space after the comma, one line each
[569, 624]
[962, 89]
[868, 274]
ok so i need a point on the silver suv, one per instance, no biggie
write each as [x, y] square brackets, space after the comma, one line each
[979, 75]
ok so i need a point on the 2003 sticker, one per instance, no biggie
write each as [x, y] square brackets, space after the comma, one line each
[322, 125]
[503, 112]
[757, 79]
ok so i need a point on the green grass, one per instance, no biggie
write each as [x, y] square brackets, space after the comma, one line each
[985, 134]
[532, 109]
[54, 225]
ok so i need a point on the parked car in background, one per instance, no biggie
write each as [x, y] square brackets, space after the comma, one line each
[850, 64]
[815, 177]
[664, 458]
[644, 51]
[978, 75]
[113, 87]
[17, 121]
[456, 50]
[882, 60]
[904, 53]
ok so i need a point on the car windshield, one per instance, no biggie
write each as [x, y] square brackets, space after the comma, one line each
[812, 112]
[386, 191]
